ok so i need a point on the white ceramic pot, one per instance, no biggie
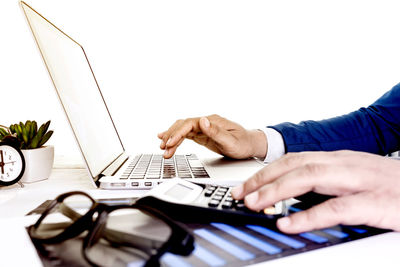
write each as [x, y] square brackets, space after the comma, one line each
[38, 164]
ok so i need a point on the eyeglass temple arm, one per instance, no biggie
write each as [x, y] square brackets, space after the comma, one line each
[113, 236]
[65, 210]
[70, 213]
[132, 240]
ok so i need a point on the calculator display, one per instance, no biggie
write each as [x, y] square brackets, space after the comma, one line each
[178, 191]
[204, 203]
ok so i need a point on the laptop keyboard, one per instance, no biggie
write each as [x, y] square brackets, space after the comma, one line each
[150, 166]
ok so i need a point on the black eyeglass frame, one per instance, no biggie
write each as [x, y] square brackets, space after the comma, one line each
[180, 241]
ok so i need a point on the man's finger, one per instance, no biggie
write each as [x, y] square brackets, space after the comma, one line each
[323, 178]
[160, 135]
[180, 132]
[278, 168]
[168, 153]
[341, 210]
[171, 130]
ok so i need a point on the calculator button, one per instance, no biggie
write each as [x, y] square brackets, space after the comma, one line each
[239, 205]
[228, 198]
[218, 193]
[213, 203]
[212, 188]
[227, 205]
[219, 198]
[223, 189]
[208, 193]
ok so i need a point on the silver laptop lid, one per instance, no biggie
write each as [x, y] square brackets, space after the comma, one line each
[78, 92]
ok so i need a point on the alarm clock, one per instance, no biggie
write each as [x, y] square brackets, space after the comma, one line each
[12, 163]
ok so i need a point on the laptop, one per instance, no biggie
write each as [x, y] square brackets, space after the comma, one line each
[100, 145]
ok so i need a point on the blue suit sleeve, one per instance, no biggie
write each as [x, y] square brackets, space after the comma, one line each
[375, 129]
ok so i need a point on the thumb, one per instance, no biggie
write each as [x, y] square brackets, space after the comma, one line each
[352, 209]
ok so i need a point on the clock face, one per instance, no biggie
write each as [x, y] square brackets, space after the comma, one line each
[11, 163]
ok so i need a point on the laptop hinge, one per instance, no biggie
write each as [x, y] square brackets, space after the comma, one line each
[114, 166]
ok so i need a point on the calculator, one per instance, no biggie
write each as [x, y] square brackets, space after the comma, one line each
[204, 203]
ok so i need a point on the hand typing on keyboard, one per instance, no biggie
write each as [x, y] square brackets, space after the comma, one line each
[217, 134]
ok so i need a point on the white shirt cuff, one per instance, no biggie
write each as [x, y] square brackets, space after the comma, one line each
[276, 145]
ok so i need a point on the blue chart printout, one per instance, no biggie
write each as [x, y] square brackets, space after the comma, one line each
[219, 244]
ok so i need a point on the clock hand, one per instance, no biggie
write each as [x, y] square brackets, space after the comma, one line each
[9, 162]
[2, 162]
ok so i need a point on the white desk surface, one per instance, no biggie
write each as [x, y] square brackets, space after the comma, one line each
[15, 202]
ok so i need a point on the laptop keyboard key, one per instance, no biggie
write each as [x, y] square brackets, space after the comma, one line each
[150, 166]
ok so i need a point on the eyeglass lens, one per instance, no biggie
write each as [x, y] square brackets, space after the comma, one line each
[63, 215]
[128, 239]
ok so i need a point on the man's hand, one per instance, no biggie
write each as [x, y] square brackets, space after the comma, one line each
[367, 187]
[217, 134]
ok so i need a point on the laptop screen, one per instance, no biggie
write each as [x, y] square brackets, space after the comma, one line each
[78, 92]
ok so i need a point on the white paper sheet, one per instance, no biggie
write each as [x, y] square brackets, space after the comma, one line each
[14, 240]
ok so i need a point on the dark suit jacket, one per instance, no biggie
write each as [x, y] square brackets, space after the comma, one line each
[374, 129]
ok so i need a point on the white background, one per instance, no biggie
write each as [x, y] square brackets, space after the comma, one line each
[255, 62]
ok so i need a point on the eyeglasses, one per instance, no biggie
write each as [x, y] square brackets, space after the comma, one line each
[118, 235]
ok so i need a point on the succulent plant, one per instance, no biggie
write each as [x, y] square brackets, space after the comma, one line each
[28, 134]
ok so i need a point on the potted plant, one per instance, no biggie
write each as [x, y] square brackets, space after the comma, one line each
[38, 158]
